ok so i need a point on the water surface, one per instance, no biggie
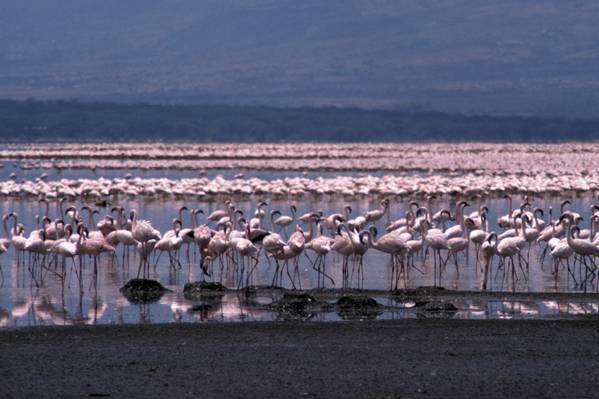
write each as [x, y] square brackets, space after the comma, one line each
[25, 300]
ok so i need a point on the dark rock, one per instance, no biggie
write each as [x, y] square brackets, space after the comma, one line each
[437, 309]
[420, 291]
[438, 306]
[140, 290]
[259, 289]
[296, 306]
[358, 307]
[420, 296]
[357, 302]
[295, 302]
[200, 289]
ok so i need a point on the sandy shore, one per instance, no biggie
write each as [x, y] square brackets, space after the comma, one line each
[419, 358]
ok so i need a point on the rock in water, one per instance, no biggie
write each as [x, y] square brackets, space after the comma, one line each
[358, 307]
[295, 301]
[438, 306]
[200, 289]
[437, 309]
[298, 306]
[139, 290]
[357, 302]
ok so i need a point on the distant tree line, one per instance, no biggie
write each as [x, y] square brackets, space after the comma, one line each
[71, 120]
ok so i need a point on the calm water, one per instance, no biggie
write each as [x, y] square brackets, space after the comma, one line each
[28, 301]
[9, 167]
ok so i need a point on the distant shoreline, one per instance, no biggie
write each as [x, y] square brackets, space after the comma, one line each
[67, 121]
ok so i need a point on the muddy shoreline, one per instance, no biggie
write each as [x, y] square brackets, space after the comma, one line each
[421, 358]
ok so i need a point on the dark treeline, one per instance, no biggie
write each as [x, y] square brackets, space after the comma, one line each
[71, 120]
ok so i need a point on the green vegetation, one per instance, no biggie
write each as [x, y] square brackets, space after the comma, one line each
[69, 120]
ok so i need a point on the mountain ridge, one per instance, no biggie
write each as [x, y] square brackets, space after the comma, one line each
[73, 120]
[456, 56]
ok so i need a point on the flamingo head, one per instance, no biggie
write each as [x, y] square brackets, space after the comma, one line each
[540, 212]
[373, 231]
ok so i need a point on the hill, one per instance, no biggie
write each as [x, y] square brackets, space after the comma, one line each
[537, 57]
[69, 120]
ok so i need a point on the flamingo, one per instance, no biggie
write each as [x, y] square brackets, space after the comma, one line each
[441, 217]
[65, 249]
[321, 245]
[273, 243]
[377, 214]
[477, 235]
[507, 249]
[142, 231]
[360, 248]
[585, 249]
[92, 246]
[17, 238]
[124, 237]
[343, 245]
[7, 240]
[186, 234]
[415, 245]
[306, 217]
[455, 245]
[574, 215]
[444, 216]
[284, 221]
[91, 223]
[296, 244]
[515, 224]
[246, 249]
[403, 221]
[590, 232]
[274, 246]
[170, 244]
[217, 246]
[256, 221]
[106, 225]
[221, 213]
[202, 234]
[332, 221]
[549, 232]
[560, 251]
[457, 230]
[505, 221]
[531, 234]
[390, 244]
[437, 241]
[35, 242]
[488, 249]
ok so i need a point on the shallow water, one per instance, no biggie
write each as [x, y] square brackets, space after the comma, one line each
[28, 300]
[51, 174]
[41, 308]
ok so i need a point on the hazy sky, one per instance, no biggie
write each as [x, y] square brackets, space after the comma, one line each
[527, 57]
